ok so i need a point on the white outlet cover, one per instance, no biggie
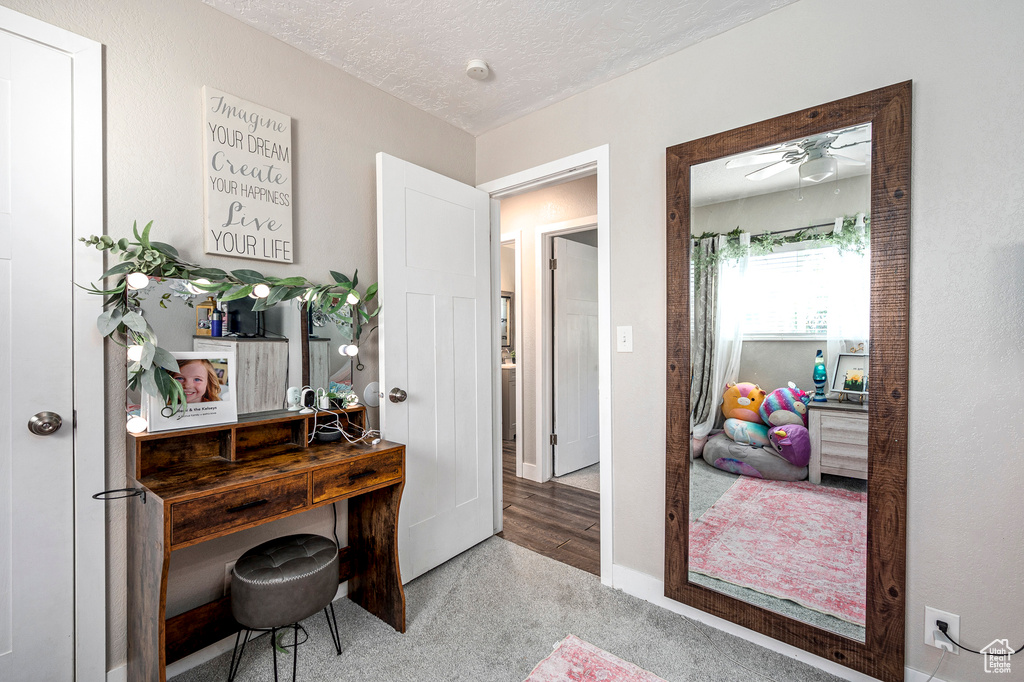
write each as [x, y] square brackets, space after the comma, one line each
[931, 616]
[624, 339]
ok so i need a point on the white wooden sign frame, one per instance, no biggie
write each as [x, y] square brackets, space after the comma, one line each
[247, 179]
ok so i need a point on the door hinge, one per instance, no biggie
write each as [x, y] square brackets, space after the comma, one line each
[553, 264]
[554, 439]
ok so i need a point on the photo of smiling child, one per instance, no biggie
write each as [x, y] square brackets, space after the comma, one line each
[207, 380]
[200, 379]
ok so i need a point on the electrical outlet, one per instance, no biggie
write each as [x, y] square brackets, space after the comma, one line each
[227, 577]
[931, 616]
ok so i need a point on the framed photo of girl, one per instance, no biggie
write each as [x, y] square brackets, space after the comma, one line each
[208, 380]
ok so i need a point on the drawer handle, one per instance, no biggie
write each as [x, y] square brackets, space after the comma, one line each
[361, 474]
[247, 505]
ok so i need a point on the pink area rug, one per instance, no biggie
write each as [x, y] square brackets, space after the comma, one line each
[574, 660]
[797, 541]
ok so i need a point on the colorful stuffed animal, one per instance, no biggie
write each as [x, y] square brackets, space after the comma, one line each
[747, 433]
[792, 442]
[785, 406]
[746, 460]
[742, 401]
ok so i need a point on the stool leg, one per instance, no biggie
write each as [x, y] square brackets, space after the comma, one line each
[332, 625]
[235, 664]
[295, 653]
[273, 646]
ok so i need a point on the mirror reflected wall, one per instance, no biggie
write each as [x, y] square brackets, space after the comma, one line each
[269, 346]
[788, 254]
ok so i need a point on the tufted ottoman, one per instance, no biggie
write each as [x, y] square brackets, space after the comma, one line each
[279, 583]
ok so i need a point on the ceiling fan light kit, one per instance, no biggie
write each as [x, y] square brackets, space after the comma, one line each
[818, 169]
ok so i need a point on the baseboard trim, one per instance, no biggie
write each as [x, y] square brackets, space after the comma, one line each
[651, 589]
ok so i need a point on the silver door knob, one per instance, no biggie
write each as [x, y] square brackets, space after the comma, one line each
[397, 395]
[45, 423]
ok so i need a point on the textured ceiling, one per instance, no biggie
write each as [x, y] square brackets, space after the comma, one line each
[539, 51]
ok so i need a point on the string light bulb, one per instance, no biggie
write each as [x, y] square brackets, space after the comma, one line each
[136, 425]
[353, 298]
[135, 353]
[349, 349]
[260, 291]
[137, 280]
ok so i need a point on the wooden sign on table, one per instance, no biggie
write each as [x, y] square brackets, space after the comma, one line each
[248, 178]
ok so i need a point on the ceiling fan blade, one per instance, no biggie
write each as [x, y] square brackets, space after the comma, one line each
[847, 159]
[755, 159]
[768, 171]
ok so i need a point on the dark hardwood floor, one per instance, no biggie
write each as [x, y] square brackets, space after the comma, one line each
[550, 518]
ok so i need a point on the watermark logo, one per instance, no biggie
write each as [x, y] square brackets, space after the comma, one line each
[997, 656]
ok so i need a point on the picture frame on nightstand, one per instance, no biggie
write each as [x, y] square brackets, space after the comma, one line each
[850, 374]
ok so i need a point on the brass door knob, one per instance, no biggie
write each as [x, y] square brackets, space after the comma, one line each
[397, 395]
[45, 423]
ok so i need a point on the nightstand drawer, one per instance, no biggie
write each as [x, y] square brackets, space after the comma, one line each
[842, 429]
[215, 514]
[844, 459]
[350, 477]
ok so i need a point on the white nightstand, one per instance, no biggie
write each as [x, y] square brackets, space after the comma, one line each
[839, 440]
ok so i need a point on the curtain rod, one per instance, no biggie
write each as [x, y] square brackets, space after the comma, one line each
[795, 229]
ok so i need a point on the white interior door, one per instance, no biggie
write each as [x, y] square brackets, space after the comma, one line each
[36, 472]
[436, 345]
[577, 419]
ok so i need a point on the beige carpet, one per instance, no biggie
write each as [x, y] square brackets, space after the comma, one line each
[587, 478]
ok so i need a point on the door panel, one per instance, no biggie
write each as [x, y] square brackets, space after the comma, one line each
[436, 343]
[577, 419]
[36, 472]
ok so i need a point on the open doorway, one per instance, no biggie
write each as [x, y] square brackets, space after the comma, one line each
[550, 408]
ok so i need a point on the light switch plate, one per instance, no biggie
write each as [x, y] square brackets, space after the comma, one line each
[624, 339]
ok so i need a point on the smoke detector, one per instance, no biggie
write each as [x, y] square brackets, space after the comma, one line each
[477, 69]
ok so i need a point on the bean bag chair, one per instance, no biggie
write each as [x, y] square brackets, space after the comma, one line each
[723, 453]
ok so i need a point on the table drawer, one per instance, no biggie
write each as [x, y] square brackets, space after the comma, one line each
[844, 459]
[841, 429]
[214, 514]
[347, 478]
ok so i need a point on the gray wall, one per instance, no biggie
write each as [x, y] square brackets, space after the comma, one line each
[965, 544]
[158, 55]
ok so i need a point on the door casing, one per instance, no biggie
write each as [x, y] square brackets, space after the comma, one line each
[557, 172]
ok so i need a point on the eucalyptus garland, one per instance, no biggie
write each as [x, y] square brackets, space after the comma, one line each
[846, 240]
[151, 366]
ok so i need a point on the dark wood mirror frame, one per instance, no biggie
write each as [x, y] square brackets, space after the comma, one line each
[888, 109]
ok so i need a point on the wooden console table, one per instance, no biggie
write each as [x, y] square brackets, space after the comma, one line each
[204, 483]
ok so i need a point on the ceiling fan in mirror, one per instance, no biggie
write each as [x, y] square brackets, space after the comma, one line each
[815, 156]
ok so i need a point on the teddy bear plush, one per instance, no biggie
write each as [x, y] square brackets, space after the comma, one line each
[742, 401]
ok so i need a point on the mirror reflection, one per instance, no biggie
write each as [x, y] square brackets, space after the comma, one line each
[780, 296]
[267, 345]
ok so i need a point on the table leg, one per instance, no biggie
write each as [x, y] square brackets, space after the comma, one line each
[376, 584]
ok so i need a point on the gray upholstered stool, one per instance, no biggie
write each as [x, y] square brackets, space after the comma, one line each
[279, 583]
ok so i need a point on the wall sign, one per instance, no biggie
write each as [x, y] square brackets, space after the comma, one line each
[248, 178]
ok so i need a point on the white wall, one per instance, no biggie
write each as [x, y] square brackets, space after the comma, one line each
[965, 544]
[523, 214]
[158, 55]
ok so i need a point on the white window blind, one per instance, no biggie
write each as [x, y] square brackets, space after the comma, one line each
[790, 297]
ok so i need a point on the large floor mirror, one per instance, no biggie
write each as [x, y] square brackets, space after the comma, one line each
[788, 295]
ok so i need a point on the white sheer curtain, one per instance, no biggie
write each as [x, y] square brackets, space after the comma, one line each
[731, 312]
[849, 298]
